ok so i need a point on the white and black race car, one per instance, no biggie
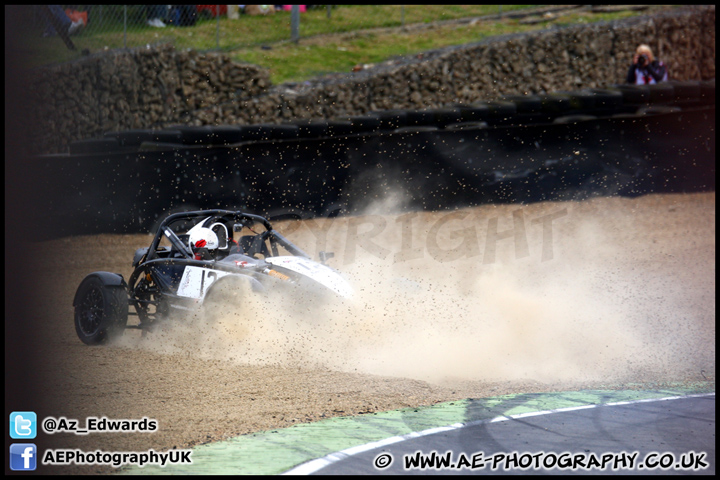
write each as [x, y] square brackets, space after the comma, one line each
[195, 257]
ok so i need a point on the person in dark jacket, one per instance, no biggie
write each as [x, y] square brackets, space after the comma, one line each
[55, 17]
[646, 69]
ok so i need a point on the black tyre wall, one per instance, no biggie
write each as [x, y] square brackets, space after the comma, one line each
[312, 167]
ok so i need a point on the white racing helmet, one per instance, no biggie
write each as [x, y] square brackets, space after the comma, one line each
[204, 243]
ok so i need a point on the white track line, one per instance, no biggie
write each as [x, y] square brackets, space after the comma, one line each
[313, 466]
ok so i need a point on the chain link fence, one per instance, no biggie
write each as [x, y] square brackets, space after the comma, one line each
[54, 33]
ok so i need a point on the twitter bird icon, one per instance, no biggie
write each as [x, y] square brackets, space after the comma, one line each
[23, 425]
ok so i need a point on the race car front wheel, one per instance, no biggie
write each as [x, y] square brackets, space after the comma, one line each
[101, 310]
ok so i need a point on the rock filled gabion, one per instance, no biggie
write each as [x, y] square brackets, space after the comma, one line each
[142, 88]
[160, 86]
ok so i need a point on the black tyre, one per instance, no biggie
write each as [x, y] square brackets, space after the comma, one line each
[226, 134]
[658, 109]
[525, 103]
[136, 137]
[364, 123]
[606, 98]
[685, 91]
[574, 118]
[707, 91]
[162, 147]
[447, 116]
[270, 131]
[661, 93]
[556, 104]
[391, 119]
[579, 101]
[467, 126]
[415, 129]
[634, 94]
[94, 145]
[420, 118]
[475, 112]
[194, 135]
[340, 128]
[501, 112]
[308, 128]
[101, 311]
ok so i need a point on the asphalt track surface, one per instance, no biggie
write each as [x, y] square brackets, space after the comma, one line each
[628, 437]
[631, 432]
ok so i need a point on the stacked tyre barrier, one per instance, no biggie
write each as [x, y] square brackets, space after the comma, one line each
[619, 140]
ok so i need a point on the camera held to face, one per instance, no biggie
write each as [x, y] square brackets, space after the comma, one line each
[643, 60]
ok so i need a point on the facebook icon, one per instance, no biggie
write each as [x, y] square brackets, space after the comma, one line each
[23, 456]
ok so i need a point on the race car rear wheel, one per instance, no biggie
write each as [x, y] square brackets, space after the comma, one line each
[101, 311]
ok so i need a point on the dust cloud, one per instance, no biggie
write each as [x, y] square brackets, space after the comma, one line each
[599, 290]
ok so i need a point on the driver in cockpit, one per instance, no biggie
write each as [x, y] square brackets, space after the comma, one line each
[204, 244]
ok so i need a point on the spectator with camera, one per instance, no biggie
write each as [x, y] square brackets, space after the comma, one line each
[646, 69]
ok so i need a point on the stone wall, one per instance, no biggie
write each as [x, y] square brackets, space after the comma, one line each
[135, 89]
[159, 87]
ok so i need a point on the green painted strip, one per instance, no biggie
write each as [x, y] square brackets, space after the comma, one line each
[276, 451]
